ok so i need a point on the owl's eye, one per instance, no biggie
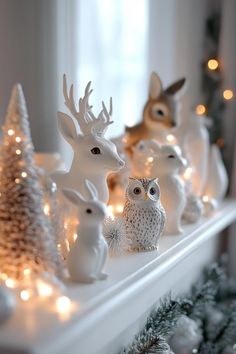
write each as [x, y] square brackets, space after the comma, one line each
[88, 211]
[152, 191]
[160, 112]
[171, 156]
[137, 190]
[96, 151]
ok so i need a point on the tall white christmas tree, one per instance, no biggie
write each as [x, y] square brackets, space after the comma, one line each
[25, 239]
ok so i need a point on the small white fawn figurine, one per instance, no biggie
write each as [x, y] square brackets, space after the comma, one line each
[160, 115]
[168, 166]
[94, 155]
[88, 254]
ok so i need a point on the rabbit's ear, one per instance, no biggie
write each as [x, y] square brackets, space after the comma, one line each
[92, 191]
[177, 87]
[73, 196]
[67, 127]
[155, 86]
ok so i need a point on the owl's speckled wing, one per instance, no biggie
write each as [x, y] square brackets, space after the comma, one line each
[143, 225]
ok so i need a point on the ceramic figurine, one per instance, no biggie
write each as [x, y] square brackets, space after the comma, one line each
[217, 180]
[168, 166]
[160, 115]
[143, 215]
[94, 155]
[196, 147]
[141, 160]
[87, 256]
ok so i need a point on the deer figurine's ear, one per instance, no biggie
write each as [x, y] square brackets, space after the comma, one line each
[177, 87]
[67, 127]
[155, 87]
[92, 191]
[73, 196]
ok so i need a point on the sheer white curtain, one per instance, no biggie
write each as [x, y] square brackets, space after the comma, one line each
[112, 52]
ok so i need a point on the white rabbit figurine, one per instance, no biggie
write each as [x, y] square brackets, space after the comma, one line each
[88, 254]
[167, 166]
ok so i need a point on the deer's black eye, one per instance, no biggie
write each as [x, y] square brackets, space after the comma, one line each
[88, 211]
[96, 151]
[160, 112]
[137, 190]
[152, 191]
[171, 156]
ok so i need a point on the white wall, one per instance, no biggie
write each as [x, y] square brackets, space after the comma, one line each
[176, 43]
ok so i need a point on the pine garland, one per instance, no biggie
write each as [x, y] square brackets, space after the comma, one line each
[211, 303]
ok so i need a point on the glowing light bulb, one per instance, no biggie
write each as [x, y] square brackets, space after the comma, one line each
[17, 180]
[24, 174]
[212, 64]
[205, 198]
[150, 159]
[228, 94]
[63, 305]
[18, 139]
[10, 283]
[46, 209]
[18, 151]
[200, 109]
[10, 132]
[170, 138]
[25, 295]
[119, 208]
[44, 290]
[188, 172]
[26, 272]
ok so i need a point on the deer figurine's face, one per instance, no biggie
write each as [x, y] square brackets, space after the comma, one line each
[161, 109]
[92, 151]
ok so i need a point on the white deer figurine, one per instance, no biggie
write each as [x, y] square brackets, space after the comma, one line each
[94, 155]
[88, 254]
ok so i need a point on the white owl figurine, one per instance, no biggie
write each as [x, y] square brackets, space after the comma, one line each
[168, 166]
[143, 215]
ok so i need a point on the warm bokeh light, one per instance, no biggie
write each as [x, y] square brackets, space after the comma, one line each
[27, 271]
[63, 305]
[228, 94]
[46, 209]
[205, 198]
[188, 172]
[18, 151]
[200, 109]
[18, 139]
[10, 132]
[170, 138]
[75, 237]
[150, 159]
[119, 208]
[44, 289]
[17, 180]
[24, 174]
[212, 64]
[110, 211]
[10, 283]
[25, 295]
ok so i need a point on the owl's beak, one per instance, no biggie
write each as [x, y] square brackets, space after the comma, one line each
[146, 196]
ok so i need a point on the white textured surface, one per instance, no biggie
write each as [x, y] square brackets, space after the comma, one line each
[106, 309]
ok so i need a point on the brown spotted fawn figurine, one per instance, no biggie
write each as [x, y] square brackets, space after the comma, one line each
[160, 115]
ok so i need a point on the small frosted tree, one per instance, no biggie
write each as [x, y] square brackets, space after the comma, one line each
[25, 239]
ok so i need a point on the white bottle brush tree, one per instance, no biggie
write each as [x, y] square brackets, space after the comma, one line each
[25, 239]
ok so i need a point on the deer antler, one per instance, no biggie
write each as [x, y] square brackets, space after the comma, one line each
[87, 121]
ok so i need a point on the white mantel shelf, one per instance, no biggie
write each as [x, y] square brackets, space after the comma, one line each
[105, 309]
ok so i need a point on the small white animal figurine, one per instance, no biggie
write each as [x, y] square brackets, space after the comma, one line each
[143, 214]
[217, 181]
[87, 256]
[168, 166]
[94, 155]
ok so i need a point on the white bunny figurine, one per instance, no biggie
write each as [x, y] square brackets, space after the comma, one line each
[167, 166]
[88, 254]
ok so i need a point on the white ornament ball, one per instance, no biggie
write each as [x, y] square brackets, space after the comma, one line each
[7, 304]
[187, 336]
